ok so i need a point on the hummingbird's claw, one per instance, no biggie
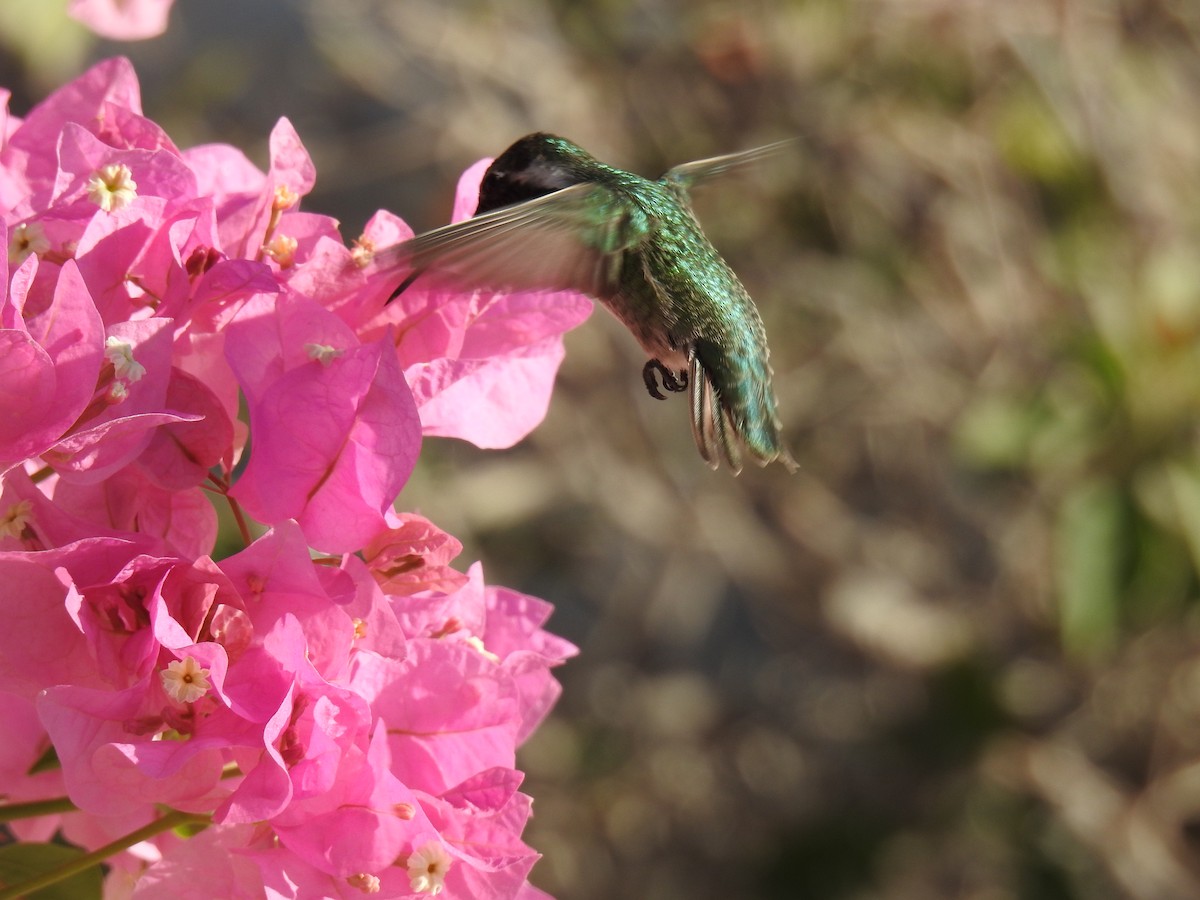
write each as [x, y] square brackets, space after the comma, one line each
[670, 380]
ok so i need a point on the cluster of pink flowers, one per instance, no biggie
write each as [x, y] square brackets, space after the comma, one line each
[333, 710]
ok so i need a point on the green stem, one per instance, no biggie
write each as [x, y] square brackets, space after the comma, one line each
[166, 823]
[236, 509]
[10, 812]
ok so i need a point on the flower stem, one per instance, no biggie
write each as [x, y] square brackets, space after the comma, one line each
[236, 509]
[166, 823]
[10, 812]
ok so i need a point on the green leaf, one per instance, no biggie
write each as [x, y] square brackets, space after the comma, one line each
[1185, 489]
[20, 862]
[1089, 562]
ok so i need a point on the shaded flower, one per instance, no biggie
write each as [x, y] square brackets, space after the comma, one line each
[27, 239]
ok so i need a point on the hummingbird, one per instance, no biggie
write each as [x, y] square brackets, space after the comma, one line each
[551, 216]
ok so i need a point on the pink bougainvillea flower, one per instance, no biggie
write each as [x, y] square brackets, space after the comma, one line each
[122, 20]
[485, 815]
[482, 364]
[127, 502]
[50, 359]
[414, 556]
[277, 578]
[337, 432]
[450, 713]
[342, 723]
[212, 863]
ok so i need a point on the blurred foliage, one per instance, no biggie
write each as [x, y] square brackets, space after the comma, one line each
[957, 655]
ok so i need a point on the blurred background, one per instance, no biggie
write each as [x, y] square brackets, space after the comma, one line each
[958, 654]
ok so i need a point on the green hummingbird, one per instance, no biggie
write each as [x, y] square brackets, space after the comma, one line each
[553, 217]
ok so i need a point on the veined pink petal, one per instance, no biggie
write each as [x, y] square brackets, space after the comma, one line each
[180, 454]
[493, 402]
[29, 150]
[449, 715]
[40, 644]
[334, 441]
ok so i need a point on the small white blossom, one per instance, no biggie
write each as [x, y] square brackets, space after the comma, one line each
[28, 239]
[363, 252]
[112, 187]
[323, 353]
[427, 868]
[13, 522]
[184, 680]
[285, 198]
[120, 354]
[368, 884]
[282, 249]
[476, 644]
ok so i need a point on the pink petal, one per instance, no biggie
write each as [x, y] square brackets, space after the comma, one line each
[414, 556]
[111, 81]
[179, 455]
[448, 715]
[122, 20]
[40, 644]
[333, 442]
[111, 771]
[128, 501]
[71, 335]
[492, 402]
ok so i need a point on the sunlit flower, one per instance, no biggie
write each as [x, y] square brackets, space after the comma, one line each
[282, 249]
[112, 187]
[368, 884]
[323, 353]
[285, 198]
[427, 868]
[186, 300]
[362, 253]
[184, 680]
[120, 354]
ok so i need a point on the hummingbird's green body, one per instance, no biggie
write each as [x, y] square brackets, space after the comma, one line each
[551, 216]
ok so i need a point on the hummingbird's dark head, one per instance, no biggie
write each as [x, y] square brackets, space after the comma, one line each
[536, 165]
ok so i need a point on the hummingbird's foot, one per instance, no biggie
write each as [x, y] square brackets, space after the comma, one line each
[671, 381]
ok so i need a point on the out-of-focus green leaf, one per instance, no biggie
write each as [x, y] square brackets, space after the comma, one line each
[19, 862]
[1088, 567]
[994, 432]
[1033, 140]
[1185, 490]
[51, 45]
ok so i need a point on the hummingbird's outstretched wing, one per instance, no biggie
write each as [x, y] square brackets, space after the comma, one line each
[570, 239]
[684, 177]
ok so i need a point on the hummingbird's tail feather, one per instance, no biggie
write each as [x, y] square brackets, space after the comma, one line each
[726, 411]
[711, 428]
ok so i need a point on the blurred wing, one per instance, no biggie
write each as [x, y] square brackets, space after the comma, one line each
[688, 175]
[567, 240]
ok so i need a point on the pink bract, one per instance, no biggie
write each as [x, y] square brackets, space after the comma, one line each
[178, 337]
